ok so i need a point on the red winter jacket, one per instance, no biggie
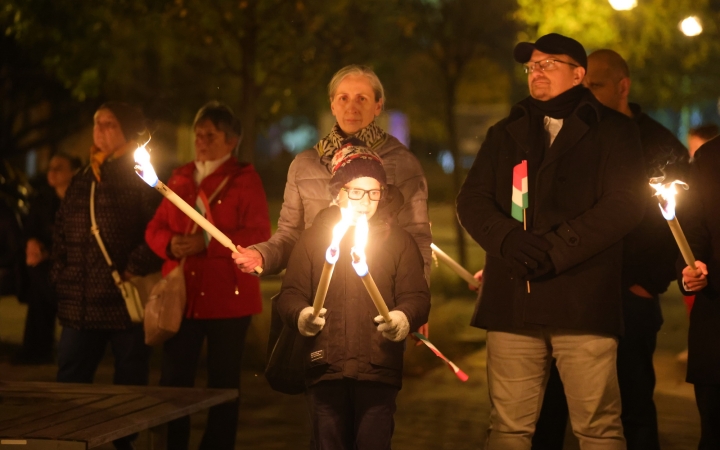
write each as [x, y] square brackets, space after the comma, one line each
[216, 289]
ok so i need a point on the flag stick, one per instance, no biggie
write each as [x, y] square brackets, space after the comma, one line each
[525, 228]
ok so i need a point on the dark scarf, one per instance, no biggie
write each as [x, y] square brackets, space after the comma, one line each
[372, 135]
[559, 107]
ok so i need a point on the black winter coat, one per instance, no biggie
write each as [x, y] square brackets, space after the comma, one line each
[349, 346]
[586, 196]
[700, 220]
[40, 221]
[87, 295]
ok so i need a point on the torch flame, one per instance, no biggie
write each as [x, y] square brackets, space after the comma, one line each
[666, 193]
[143, 167]
[358, 250]
[333, 252]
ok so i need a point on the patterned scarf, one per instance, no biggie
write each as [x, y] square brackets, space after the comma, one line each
[98, 157]
[372, 135]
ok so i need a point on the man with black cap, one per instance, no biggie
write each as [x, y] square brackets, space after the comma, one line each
[551, 284]
[91, 308]
[649, 255]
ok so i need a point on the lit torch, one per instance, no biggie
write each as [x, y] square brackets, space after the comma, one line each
[331, 256]
[146, 171]
[457, 268]
[360, 265]
[666, 195]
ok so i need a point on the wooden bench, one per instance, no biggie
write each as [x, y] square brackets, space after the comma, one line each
[63, 416]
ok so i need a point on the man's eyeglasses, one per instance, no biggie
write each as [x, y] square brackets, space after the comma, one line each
[357, 194]
[546, 65]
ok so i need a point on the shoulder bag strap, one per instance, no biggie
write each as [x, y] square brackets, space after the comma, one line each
[212, 197]
[95, 231]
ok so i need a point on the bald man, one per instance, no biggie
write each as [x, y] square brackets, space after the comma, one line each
[648, 269]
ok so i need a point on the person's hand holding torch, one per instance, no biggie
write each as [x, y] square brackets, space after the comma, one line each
[695, 280]
[393, 325]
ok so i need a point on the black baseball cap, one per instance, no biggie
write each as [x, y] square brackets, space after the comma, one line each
[554, 44]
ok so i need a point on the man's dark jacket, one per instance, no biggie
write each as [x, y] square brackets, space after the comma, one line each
[700, 220]
[349, 345]
[587, 195]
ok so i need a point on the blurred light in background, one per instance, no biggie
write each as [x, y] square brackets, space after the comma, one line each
[300, 138]
[691, 26]
[623, 5]
[445, 159]
[31, 163]
[399, 126]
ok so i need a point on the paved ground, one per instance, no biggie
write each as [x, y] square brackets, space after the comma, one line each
[435, 410]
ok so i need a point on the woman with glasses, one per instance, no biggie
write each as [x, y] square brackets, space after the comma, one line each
[356, 99]
[353, 358]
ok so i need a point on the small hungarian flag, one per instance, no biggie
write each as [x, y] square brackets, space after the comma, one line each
[520, 190]
[203, 207]
[462, 376]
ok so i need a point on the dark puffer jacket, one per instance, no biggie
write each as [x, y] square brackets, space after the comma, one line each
[349, 346]
[87, 295]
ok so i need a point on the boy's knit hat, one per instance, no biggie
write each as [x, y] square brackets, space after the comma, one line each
[355, 160]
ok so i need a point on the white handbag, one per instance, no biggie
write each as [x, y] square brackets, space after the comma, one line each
[136, 291]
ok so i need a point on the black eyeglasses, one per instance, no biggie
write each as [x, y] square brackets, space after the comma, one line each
[357, 194]
[546, 65]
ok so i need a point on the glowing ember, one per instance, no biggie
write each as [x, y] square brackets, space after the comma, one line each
[359, 263]
[333, 251]
[666, 193]
[358, 250]
[143, 167]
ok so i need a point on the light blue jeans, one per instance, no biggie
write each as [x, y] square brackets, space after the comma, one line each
[518, 366]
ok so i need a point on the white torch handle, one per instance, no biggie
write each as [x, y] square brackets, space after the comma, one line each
[376, 296]
[457, 268]
[322, 288]
[682, 242]
[197, 218]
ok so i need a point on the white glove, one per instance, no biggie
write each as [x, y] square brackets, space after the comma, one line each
[398, 328]
[309, 325]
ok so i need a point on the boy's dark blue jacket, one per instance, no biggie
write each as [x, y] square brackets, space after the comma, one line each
[349, 346]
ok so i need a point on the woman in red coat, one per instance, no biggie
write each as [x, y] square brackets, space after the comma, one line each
[220, 298]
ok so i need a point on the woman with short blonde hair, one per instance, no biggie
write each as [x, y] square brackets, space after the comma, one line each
[356, 98]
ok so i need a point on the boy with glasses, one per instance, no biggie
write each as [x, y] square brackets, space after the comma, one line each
[353, 359]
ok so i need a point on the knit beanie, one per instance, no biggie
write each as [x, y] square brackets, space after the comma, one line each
[355, 160]
[131, 119]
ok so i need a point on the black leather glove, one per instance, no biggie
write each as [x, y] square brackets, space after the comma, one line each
[545, 267]
[525, 253]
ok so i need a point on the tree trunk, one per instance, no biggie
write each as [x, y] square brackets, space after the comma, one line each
[248, 111]
[450, 124]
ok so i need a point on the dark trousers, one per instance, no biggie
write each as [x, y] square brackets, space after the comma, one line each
[636, 377]
[352, 415]
[39, 335]
[707, 398]
[225, 342]
[636, 373]
[80, 353]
